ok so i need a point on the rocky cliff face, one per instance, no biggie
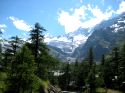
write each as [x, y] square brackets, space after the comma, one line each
[108, 34]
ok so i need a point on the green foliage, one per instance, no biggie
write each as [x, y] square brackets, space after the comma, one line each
[112, 71]
[65, 78]
[100, 90]
[90, 57]
[29, 68]
[36, 38]
[3, 86]
[83, 71]
[39, 84]
[91, 80]
[47, 64]
[21, 78]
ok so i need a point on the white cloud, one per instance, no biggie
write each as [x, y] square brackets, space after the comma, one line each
[121, 8]
[20, 24]
[98, 16]
[72, 22]
[2, 27]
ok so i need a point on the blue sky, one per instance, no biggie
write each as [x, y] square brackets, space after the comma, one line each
[57, 16]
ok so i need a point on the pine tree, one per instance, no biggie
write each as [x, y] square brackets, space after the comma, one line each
[82, 74]
[11, 48]
[116, 59]
[90, 57]
[36, 38]
[111, 69]
[75, 73]
[91, 75]
[103, 60]
[67, 76]
[24, 67]
[122, 68]
[13, 45]
[1, 63]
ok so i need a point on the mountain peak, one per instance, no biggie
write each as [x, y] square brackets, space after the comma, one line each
[68, 41]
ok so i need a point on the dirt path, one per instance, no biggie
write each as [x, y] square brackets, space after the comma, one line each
[113, 91]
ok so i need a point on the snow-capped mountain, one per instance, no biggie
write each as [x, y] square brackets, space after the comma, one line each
[106, 35]
[68, 42]
[103, 37]
[119, 24]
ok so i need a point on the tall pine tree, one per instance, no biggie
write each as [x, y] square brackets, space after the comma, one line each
[91, 75]
[24, 67]
[37, 38]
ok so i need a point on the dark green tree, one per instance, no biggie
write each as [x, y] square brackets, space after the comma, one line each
[1, 63]
[107, 72]
[36, 38]
[83, 71]
[122, 68]
[91, 80]
[13, 45]
[90, 57]
[91, 75]
[103, 60]
[111, 69]
[21, 80]
[11, 48]
[116, 60]
[115, 68]
[75, 73]
[47, 65]
[64, 79]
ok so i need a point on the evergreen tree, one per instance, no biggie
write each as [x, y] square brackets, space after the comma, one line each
[91, 75]
[24, 67]
[11, 48]
[3, 75]
[107, 72]
[90, 57]
[1, 63]
[46, 66]
[111, 69]
[75, 72]
[100, 73]
[122, 68]
[64, 79]
[83, 71]
[67, 76]
[91, 80]
[13, 45]
[103, 60]
[115, 67]
[36, 38]
[116, 60]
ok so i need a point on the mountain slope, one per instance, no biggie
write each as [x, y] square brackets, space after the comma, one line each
[106, 35]
[63, 46]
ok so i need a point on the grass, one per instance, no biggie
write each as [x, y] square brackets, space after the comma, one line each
[100, 90]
